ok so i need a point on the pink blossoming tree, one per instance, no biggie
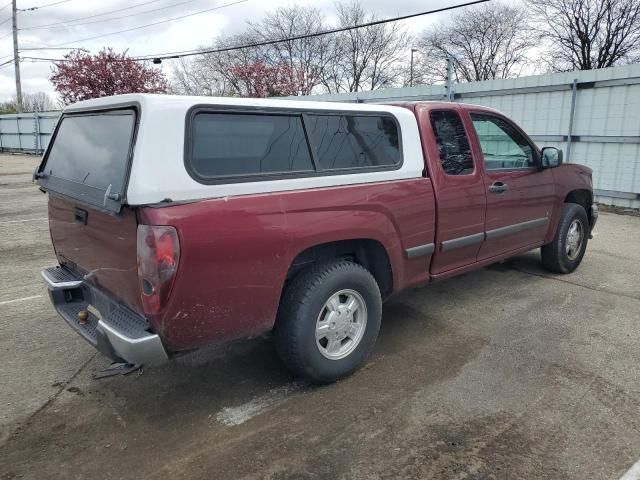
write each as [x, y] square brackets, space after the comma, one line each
[81, 76]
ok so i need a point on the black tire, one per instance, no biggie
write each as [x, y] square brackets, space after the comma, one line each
[304, 300]
[554, 255]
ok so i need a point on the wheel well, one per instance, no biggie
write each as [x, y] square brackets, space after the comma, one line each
[366, 252]
[581, 197]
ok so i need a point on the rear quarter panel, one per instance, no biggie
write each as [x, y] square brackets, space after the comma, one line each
[236, 251]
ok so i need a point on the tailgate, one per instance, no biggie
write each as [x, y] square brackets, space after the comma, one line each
[85, 170]
[103, 249]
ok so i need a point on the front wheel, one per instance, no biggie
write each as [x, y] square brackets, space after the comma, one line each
[328, 321]
[565, 252]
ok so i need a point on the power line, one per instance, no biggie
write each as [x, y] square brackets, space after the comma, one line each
[114, 18]
[47, 25]
[188, 53]
[31, 9]
[53, 48]
[152, 24]
[7, 20]
[42, 60]
[7, 5]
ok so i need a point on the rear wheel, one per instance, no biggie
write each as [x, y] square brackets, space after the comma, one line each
[329, 320]
[565, 252]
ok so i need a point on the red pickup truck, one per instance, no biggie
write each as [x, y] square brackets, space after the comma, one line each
[180, 222]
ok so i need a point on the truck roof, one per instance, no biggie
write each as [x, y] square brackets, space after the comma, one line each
[183, 101]
[158, 101]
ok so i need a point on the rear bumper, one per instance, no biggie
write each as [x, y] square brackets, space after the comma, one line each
[110, 327]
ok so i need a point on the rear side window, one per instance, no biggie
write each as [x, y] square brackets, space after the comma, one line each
[89, 155]
[230, 144]
[452, 141]
[92, 149]
[353, 141]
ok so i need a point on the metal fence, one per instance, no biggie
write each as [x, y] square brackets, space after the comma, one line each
[593, 115]
[26, 132]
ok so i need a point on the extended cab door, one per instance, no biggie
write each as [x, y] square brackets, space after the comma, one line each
[520, 196]
[458, 185]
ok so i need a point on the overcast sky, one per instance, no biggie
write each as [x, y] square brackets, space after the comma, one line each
[183, 34]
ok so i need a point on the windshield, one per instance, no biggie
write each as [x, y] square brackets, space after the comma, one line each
[90, 153]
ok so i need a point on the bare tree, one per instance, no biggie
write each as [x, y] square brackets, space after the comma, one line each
[486, 42]
[354, 60]
[31, 102]
[365, 58]
[192, 76]
[215, 73]
[37, 102]
[306, 56]
[8, 107]
[588, 34]
[212, 73]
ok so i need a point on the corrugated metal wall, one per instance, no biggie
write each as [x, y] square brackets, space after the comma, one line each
[605, 134]
[26, 132]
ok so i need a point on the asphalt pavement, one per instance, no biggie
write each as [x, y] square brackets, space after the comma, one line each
[505, 373]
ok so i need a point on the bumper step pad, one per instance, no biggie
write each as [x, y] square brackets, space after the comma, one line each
[61, 278]
[115, 330]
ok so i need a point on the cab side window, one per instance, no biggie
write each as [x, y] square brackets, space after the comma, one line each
[452, 141]
[236, 144]
[353, 141]
[503, 147]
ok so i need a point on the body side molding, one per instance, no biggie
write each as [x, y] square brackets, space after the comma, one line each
[448, 245]
[517, 227]
[460, 242]
[420, 250]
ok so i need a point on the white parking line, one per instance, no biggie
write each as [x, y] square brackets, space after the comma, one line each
[6, 222]
[633, 473]
[232, 416]
[7, 302]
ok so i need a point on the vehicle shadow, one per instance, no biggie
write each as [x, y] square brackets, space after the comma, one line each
[528, 262]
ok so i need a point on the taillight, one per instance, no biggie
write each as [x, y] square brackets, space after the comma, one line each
[158, 256]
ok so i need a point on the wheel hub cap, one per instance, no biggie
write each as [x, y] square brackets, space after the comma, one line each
[340, 325]
[574, 239]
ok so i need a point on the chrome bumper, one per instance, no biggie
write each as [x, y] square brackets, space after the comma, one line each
[110, 327]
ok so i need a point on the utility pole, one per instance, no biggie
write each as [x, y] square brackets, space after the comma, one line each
[413, 50]
[449, 78]
[16, 59]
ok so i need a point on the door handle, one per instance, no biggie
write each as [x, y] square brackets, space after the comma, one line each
[498, 187]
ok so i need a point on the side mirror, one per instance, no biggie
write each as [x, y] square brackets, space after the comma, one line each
[551, 157]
